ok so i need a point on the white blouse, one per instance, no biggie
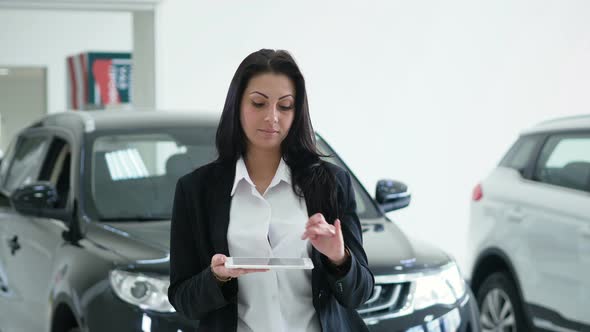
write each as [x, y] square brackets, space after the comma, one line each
[271, 225]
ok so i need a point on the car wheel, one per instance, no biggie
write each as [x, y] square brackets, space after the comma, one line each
[500, 306]
[75, 329]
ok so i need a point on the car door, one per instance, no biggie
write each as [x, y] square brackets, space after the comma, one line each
[20, 169]
[7, 307]
[41, 238]
[559, 232]
[502, 222]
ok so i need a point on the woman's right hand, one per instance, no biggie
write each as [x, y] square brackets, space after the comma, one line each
[219, 269]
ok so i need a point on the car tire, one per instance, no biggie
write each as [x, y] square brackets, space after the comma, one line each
[500, 304]
[75, 329]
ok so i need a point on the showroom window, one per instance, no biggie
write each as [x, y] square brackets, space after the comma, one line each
[26, 162]
[565, 162]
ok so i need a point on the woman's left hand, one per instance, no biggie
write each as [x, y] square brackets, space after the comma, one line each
[326, 238]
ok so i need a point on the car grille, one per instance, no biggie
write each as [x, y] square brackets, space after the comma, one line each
[386, 299]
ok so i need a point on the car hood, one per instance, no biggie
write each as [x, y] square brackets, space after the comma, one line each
[388, 249]
[141, 245]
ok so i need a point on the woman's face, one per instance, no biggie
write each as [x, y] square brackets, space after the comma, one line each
[267, 110]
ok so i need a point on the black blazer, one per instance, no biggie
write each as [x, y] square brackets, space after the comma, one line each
[200, 218]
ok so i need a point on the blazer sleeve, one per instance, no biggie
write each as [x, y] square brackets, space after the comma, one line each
[193, 290]
[353, 287]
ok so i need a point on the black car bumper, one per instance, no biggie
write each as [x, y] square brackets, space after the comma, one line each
[106, 312]
[463, 317]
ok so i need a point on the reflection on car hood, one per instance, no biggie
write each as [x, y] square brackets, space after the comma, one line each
[388, 249]
[143, 245]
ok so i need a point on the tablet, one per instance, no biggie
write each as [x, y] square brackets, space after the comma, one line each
[268, 263]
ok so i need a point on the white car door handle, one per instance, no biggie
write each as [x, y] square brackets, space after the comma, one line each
[514, 216]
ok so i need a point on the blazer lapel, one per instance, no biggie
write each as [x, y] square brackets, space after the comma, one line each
[219, 204]
[315, 273]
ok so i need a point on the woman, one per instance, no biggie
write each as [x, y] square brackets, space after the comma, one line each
[268, 195]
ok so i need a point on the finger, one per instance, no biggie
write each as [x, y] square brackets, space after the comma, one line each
[218, 259]
[324, 230]
[315, 221]
[241, 269]
[311, 236]
[239, 272]
[338, 228]
[244, 271]
[317, 218]
[315, 236]
[310, 223]
[322, 225]
[307, 235]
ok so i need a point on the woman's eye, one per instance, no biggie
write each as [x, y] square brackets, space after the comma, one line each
[258, 105]
[286, 108]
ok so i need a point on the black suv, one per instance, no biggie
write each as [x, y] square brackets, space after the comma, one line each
[84, 230]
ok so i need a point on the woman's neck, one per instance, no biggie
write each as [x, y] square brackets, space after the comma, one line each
[262, 164]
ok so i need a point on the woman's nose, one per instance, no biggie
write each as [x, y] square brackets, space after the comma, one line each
[272, 114]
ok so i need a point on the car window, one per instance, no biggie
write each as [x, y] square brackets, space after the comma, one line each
[56, 169]
[565, 161]
[26, 163]
[519, 156]
[6, 161]
[143, 168]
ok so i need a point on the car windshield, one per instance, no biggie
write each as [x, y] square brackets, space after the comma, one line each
[132, 176]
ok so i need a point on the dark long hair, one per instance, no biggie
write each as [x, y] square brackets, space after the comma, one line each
[311, 177]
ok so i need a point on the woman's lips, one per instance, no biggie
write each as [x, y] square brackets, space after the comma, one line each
[269, 131]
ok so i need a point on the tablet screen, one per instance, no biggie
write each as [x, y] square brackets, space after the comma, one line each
[268, 261]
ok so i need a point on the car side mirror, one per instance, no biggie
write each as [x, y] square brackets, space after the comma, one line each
[38, 199]
[392, 195]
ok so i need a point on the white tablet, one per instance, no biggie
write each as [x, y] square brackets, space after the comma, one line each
[268, 263]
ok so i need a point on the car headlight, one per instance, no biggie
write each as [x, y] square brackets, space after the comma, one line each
[453, 277]
[444, 287]
[146, 292]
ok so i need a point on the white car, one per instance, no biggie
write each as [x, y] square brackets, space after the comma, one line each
[529, 233]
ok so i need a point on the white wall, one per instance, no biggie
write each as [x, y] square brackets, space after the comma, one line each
[429, 92]
[45, 38]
